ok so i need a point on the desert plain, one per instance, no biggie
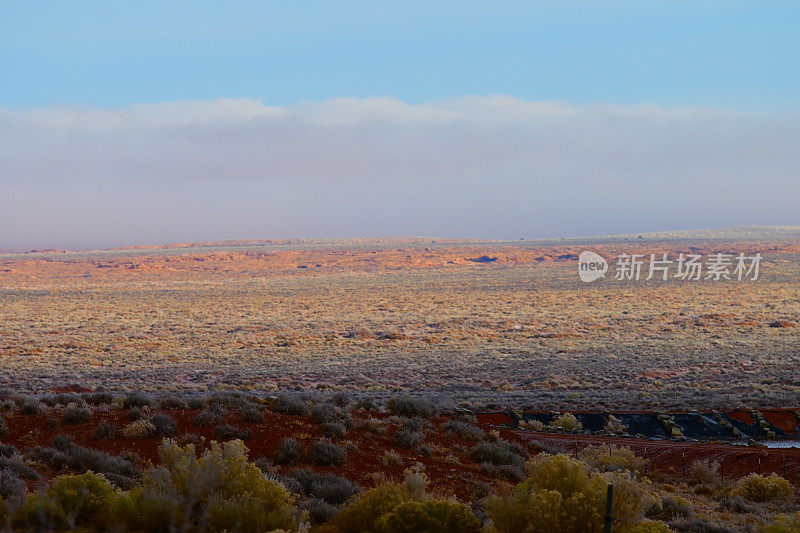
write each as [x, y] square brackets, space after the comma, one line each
[488, 322]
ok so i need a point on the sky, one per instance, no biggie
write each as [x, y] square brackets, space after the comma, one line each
[153, 122]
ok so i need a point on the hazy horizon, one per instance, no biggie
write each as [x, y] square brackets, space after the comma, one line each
[155, 123]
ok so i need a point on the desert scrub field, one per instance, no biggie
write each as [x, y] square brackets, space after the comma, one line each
[283, 471]
[435, 319]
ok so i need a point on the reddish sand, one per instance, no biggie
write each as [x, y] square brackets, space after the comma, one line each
[449, 469]
[378, 255]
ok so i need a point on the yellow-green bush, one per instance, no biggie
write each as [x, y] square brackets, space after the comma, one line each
[399, 508]
[567, 422]
[429, 517]
[758, 488]
[220, 490]
[366, 508]
[83, 500]
[40, 513]
[612, 458]
[562, 494]
[783, 524]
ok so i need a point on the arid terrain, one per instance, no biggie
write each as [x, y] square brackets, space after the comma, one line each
[485, 322]
[431, 383]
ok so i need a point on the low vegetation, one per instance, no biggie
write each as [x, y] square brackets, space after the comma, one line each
[339, 467]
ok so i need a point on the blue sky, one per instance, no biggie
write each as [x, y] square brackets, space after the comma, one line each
[722, 54]
[153, 122]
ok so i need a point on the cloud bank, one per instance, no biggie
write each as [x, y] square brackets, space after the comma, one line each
[484, 167]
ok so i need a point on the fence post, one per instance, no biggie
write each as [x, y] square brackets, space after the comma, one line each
[645, 461]
[609, 508]
[722, 468]
[683, 464]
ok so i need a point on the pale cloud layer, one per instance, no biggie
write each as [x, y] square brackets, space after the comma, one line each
[485, 167]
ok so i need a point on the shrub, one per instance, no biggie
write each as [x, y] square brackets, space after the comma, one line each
[704, 471]
[66, 398]
[291, 405]
[391, 458]
[384, 508]
[196, 403]
[219, 490]
[609, 458]
[532, 425]
[669, 508]
[252, 414]
[783, 524]
[411, 407]
[498, 453]
[432, 515]
[75, 414]
[367, 404]
[463, 430]
[614, 426]
[98, 398]
[329, 487]
[139, 430]
[171, 402]
[136, 399]
[736, 504]
[566, 422]
[514, 473]
[326, 453]
[408, 438]
[233, 400]
[562, 494]
[7, 450]
[12, 489]
[207, 417]
[228, 432]
[289, 452]
[40, 513]
[31, 406]
[17, 465]
[758, 488]
[319, 511]
[3, 427]
[165, 425]
[341, 399]
[65, 454]
[85, 499]
[374, 425]
[333, 429]
[326, 413]
[415, 481]
[366, 508]
[106, 430]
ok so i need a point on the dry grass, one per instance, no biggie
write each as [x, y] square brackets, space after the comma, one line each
[516, 329]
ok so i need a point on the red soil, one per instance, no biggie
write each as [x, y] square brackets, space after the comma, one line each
[449, 469]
